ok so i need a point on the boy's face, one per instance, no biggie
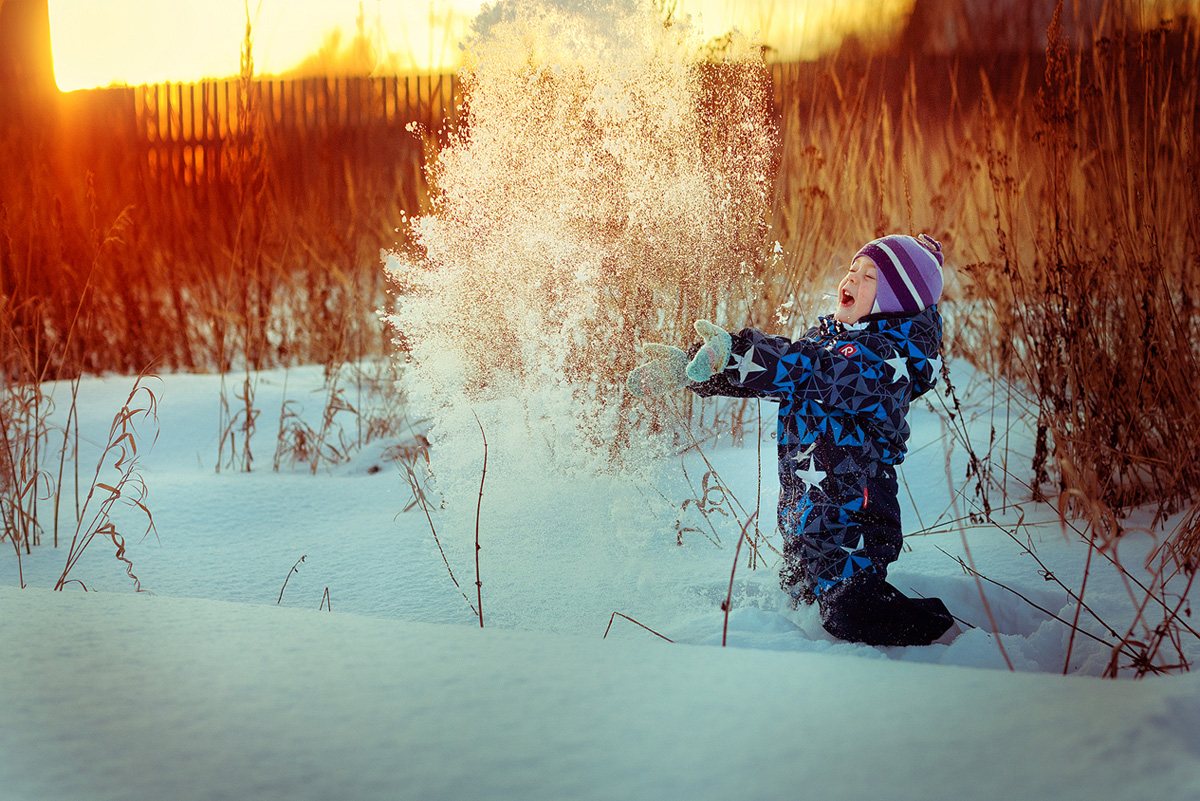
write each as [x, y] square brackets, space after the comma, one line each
[856, 292]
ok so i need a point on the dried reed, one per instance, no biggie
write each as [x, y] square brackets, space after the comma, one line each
[295, 569]
[120, 458]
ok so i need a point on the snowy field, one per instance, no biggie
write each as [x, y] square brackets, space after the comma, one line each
[372, 679]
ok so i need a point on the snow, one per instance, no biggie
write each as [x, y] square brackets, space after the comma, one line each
[300, 636]
[116, 696]
[209, 688]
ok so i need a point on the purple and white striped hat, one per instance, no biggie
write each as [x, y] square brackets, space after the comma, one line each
[909, 270]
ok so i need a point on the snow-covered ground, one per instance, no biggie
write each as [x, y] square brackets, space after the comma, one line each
[372, 678]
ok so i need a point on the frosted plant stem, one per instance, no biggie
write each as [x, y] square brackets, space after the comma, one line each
[411, 477]
[478, 506]
[962, 533]
[729, 597]
[757, 495]
[688, 430]
[616, 615]
[1121, 647]
[1087, 567]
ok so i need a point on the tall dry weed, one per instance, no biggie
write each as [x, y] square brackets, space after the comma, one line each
[1097, 236]
[117, 483]
[1064, 188]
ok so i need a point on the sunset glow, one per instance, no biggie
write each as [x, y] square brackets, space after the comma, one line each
[148, 41]
[797, 29]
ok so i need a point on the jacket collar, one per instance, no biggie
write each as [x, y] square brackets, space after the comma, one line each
[830, 325]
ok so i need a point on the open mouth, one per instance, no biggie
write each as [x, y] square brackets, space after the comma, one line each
[847, 299]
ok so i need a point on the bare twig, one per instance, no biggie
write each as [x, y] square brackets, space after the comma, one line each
[295, 569]
[1087, 569]
[419, 498]
[1121, 646]
[687, 428]
[478, 506]
[631, 620]
[729, 597]
[987, 607]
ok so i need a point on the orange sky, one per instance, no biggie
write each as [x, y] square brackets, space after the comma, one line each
[150, 41]
[96, 44]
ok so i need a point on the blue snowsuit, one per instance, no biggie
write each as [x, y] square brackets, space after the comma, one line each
[844, 393]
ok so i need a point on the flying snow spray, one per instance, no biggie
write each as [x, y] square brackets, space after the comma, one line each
[608, 184]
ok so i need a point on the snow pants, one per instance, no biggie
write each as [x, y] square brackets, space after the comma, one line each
[827, 538]
[837, 555]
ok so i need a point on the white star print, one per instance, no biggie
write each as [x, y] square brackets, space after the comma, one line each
[746, 365]
[811, 476]
[935, 364]
[899, 366]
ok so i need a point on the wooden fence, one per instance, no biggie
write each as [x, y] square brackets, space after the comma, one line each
[186, 131]
[159, 139]
[191, 134]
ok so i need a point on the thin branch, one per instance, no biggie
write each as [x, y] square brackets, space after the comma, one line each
[631, 620]
[478, 506]
[419, 496]
[1041, 609]
[295, 569]
[729, 597]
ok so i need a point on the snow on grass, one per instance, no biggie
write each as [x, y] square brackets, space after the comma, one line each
[209, 689]
[122, 697]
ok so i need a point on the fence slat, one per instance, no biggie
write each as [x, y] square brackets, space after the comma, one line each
[189, 133]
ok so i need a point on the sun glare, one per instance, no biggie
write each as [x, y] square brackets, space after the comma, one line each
[797, 29]
[149, 41]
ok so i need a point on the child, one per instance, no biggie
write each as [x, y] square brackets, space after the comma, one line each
[844, 390]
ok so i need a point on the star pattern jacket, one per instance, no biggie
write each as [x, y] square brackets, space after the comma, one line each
[844, 393]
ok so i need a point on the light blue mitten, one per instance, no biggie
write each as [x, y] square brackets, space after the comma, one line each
[666, 371]
[713, 354]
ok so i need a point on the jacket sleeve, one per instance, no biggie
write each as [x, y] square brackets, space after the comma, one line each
[862, 375]
[720, 384]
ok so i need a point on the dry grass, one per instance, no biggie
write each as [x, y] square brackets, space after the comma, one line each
[117, 482]
[1065, 190]
[269, 256]
[1098, 246]
[1063, 184]
[1064, 187]
[360, 404]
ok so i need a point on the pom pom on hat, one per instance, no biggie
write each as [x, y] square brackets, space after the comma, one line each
[909, 272]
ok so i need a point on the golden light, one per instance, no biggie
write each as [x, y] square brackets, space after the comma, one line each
[797, 29]
[150, 41]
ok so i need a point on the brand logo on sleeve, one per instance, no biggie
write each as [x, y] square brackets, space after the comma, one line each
[848, 350]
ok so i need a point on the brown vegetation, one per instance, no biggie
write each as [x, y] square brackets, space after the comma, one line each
[239, 224]
[1065, 189]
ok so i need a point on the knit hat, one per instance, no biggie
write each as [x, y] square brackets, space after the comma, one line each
[909, 272]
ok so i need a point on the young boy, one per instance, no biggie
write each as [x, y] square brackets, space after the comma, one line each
[844, 390]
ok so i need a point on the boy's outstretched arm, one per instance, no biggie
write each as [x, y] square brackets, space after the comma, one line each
[860, 376]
